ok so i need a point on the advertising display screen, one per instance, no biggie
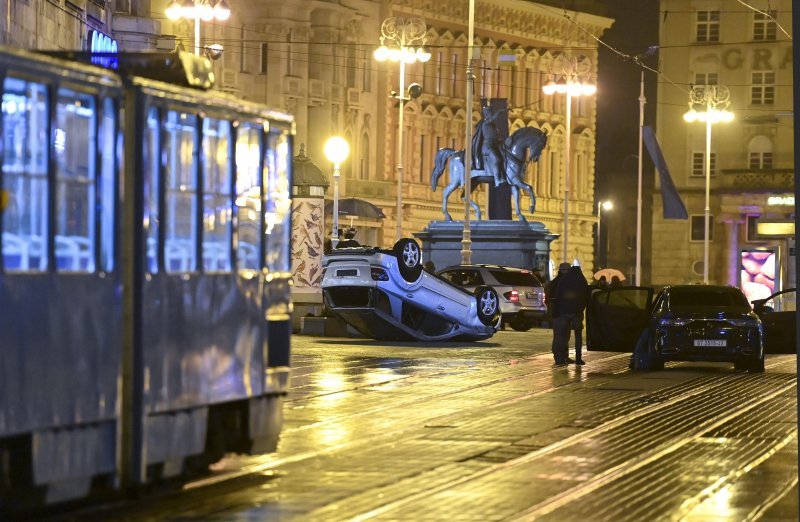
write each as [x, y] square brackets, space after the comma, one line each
[759, 269]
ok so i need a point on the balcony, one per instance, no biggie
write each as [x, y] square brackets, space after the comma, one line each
[366, 189]
[756, 181]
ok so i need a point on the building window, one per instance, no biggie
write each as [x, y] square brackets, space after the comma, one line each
[486, 78]
[762, 90]
[364, 152]
[764, 26]
[706, 78]
[367, 70]
[242, 55]
[752, 232]
[350, 54]
[264, 58]
[708, 26]
[698, 224]
[760, 160]
[699, 163]
[437, 81]
[453, 74]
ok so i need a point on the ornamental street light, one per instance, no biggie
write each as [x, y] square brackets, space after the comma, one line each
[197, 10]
[714, 99]
[571, 85]
[400, 33]
[336, 151]
[602, 205]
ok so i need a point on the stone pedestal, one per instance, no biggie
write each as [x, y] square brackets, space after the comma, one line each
[500, 242]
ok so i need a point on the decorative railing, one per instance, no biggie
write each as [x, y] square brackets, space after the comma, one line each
[372, 188]
[747, 180]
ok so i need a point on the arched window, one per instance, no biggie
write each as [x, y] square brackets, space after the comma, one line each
[760, 153]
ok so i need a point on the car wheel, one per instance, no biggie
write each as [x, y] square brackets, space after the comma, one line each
[409, 259]
[519, 325]
[488, 305]
[756, 366]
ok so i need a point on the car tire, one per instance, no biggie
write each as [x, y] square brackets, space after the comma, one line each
[519, 325]
[488, 305]
[409, 259]
[756, 366]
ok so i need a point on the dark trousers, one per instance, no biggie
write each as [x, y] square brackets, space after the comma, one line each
[563, 326]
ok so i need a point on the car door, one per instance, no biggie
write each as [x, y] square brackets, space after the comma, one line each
[778, 314]
[615, 318]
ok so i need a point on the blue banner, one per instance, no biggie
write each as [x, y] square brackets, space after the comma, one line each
[671, 199]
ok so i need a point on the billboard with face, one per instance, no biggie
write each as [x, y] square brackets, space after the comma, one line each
[759, 273]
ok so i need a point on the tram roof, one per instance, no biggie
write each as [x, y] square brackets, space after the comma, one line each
[176, 67]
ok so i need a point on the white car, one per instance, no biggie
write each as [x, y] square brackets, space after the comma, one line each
[386, 295]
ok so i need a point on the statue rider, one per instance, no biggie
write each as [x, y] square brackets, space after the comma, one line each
[486, 145]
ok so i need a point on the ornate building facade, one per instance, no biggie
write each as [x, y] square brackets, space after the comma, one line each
[727, 47]
[314, 59]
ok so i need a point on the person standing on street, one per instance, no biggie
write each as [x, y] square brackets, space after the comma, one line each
[571, 294]
[558, 320]
[576, 278]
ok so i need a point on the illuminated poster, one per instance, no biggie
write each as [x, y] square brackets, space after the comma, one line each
[759, 269]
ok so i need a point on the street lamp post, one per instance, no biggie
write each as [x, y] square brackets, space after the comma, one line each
[571, 86]
[401, 33]
[466, 237]
[604, 205]
[336, 151]
[715, 100]
[197, 10]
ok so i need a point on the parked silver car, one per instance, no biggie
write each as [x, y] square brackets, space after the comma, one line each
[520, 292]
[386, 295]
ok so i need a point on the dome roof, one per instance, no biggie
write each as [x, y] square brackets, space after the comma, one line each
[305, 172]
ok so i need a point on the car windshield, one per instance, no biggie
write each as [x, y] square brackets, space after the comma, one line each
[513, 278]
[703, 298]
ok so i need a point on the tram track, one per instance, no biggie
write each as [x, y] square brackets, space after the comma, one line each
[392, 435]
[259, 468]
[565, 444]
[625, 410]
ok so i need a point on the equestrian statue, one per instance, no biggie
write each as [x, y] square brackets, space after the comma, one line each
[493, 160]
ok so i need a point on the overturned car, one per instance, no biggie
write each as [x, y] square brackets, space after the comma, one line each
[386, 295]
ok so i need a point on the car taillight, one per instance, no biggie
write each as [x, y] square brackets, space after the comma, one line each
[512, 296]
[378, 274]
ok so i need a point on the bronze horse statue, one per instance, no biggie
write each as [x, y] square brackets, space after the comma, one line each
[524, 146]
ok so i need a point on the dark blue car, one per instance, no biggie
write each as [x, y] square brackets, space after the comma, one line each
[683, 323]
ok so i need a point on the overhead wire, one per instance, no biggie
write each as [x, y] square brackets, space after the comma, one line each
[768, 14]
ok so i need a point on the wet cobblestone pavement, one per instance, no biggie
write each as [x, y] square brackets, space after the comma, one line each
[493, 431]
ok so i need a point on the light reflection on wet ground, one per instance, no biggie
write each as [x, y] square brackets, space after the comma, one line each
[492, 431]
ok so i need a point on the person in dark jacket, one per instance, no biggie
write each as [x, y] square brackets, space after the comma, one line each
[576, 309]
[558, 321]
[570, 295]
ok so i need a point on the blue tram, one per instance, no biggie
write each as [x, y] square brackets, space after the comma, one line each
[144, 272]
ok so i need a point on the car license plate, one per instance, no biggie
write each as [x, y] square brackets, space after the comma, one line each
[710, 342]
[530, 295]
[347, 273]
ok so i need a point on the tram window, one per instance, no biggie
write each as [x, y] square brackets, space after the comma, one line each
[180, 223]
[108, 149]
[216, 196]
[25, 156]
[152, 157]
[248, 196]
[75, 155]
[279, 205]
